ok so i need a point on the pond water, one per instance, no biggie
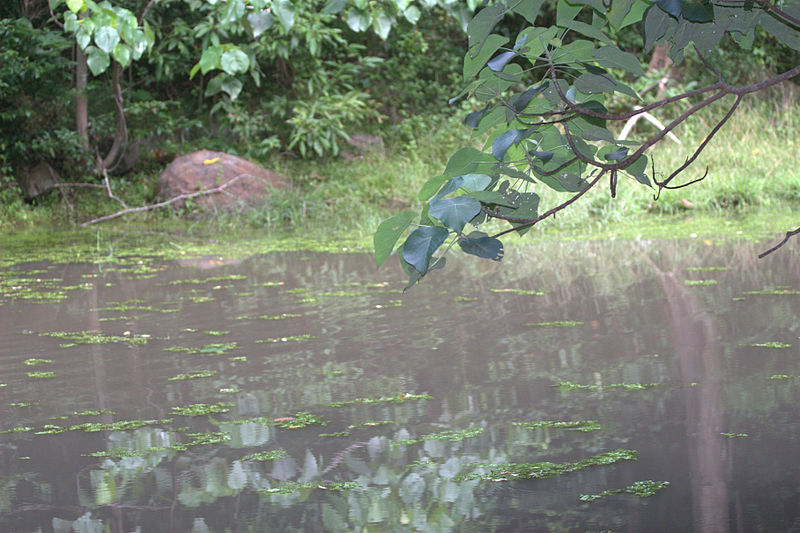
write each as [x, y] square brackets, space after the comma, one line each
[640, 386]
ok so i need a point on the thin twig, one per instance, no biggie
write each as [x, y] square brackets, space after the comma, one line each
[172, 200]
[110, 192]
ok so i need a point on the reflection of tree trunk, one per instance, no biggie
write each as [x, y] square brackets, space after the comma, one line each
[695, 339]
[98, 365]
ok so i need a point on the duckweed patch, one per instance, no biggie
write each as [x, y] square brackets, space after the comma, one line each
[193, 375]
[217, 348]
[735, 435]
[265, 456]
[95, 337]
[41, 375]
[699, 282]
[451, 435]
[292, 487]
[299, 420]
[237, 359]
[555, 324]
[400, 398]
[23, 404]
[199, 409]
[774, 292]
[546, 469]
[570, 386]
[217, 333]
[783, 376]
[34, 362]
[642, 489]
[335, 434]
[94, 427]
[524, 292]
[464, 299]
[771, 344]
[577, 425]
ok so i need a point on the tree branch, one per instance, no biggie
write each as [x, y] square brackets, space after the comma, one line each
[789, 235]
[165, 203]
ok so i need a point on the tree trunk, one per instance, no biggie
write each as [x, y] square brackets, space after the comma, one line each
[120, 130]
[81, 101]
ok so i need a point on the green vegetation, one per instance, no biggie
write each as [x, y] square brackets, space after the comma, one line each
[200, 409]
[543, 470]
[399, 398]
[95, 337]
[578, 425]
[735, 435]
[570, 386]
[217, 348]
[264, 456]
[699, 282]
[770, 344]
[449, 435]
[193, 375]
[642, 489]
[41, 375]
[299, 421]
[556, 324]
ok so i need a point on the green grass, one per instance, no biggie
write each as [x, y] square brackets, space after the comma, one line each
[752, 162]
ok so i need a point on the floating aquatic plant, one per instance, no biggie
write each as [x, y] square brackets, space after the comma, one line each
[193, 375]
[708, 269]
[281, 316]
[783, 376]
[699, 282]
[291, 338]
[265, 456]
[34, 362]
[578, 425]
[400, 398]
[217, 348]
[291, 487]
[198, 409]
[735, 435]
[94, 427]
[779, 291]
[524, 292]
[642, 489]
[41, 375]
[451, 435]
[569, 386]
[95, 337]
[299, 420]
[216, 333]
[508, 471]
[770, 344]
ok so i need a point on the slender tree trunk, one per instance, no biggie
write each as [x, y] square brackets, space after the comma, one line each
[81, 102]
[120, 130]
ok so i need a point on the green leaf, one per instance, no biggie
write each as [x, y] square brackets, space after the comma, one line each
[106, 38]
[210, 59]
[481, 245]
[122, 53]
[97, 60]
[544, 155]
[673, 7]
[589, 83]
[74, 5]
[382, 25]
[334, 7]
[697, 11]
[284, 10]
[260, 21]
[501, 144]
[466, 161]
[455, 212]
[234, 61]
[482, 24]
[231, 86]
[528, 209]
[214, 85]
[499, 63]
[655, 24]
[412, 14]
[430, 187]
[388, 232]
[475, 182]
[358, 21]
[566, 12]
[588, 30]
[528, 9]
[421, 245]
[475, 59]
[617, 155]
[83, 39]
[613, 57]
[494, 198]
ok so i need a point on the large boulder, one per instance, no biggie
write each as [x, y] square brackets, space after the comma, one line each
[205, 169]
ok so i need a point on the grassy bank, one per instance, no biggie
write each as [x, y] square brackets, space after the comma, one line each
[754, 166]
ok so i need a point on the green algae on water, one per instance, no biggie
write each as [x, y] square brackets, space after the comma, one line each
[451, 435]
[41, 375]
[193, 375]
[399, 398]
[555, 324]
[699, 282]
[642, 489]
[217, 348]
[265, 456]
[34, 362]
[291, 338]
[290, 487]
[771, 344]
[216, 333]
[199, 409]
[95, 337]
[299, 421]
[735, 435]
[546, 469]
[569, 386]
[577, 425]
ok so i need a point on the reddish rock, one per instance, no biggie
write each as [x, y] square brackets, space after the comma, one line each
[206, 169]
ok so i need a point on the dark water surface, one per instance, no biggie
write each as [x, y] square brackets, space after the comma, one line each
[689, 374]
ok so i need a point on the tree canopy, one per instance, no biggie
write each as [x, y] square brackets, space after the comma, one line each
[550, 99]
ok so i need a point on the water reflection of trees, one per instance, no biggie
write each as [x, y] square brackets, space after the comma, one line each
[477, 357]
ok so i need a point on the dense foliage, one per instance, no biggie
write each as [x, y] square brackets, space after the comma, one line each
[549, 97]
